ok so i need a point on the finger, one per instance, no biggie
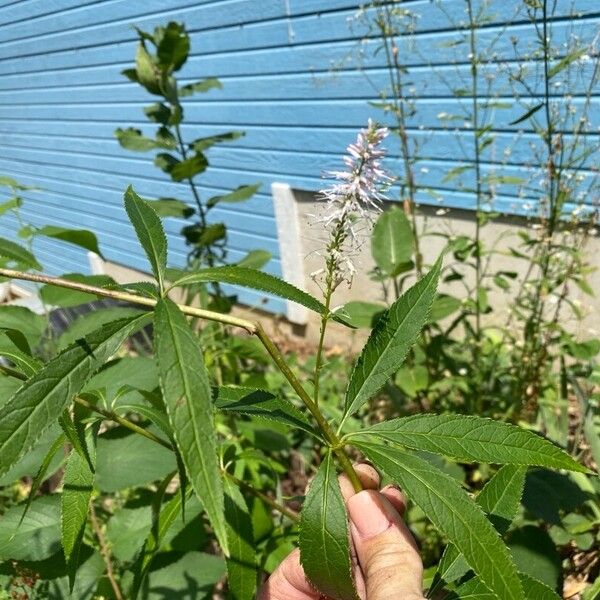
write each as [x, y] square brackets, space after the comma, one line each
[386, 551]
[368, 476]
[288, 582]
[396, 498]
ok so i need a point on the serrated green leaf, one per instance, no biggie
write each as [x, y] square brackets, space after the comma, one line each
[75, 434]
[243, 192]
[259, 403]
[78, 484]
[474, 439]
[188, 400]
[189, 168]
[257, 280]
[391, 339]
[242, 568]
[150, 233]
[203, 86]
[324, 536]
[18, 255]
[499, 499]
[453, 513]
[41, 399]
[78, 237]
[392, 240]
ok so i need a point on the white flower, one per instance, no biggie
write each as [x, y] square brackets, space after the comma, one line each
[353, 200]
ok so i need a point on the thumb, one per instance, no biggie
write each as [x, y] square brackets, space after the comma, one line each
[385, 549]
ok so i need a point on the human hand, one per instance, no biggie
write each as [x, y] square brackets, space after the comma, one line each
[387, 564]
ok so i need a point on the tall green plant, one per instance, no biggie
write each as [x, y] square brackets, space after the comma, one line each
[159, 58]
[185, 408]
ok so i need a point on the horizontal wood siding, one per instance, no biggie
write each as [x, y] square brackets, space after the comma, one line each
[290, 80]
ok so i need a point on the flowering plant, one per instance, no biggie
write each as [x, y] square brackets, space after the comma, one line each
[190, 412]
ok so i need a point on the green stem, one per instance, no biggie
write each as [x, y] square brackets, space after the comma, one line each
[284, 510]
[254, 328]
[324, 321]
[108, 414]
[128, 297]
[478, 193]
[395, 75]
[202, 211]
[330, 436]
[113, 416]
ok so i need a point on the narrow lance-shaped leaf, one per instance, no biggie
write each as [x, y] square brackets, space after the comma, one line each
[257, 280]
[41, 399]
[324, 537]
[499, 499]
[453, 513]
[149, 231]
[25, 363]
[78, 484]
[474, 439]
[391, 339]
[259, 403]
[187, 396]
[242, 569]
[529, 113]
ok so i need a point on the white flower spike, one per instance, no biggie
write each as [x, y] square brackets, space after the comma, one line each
[353, 201]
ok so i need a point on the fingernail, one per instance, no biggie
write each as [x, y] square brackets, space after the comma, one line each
[369, 513]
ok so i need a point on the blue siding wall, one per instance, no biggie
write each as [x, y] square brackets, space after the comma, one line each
[289, 77]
